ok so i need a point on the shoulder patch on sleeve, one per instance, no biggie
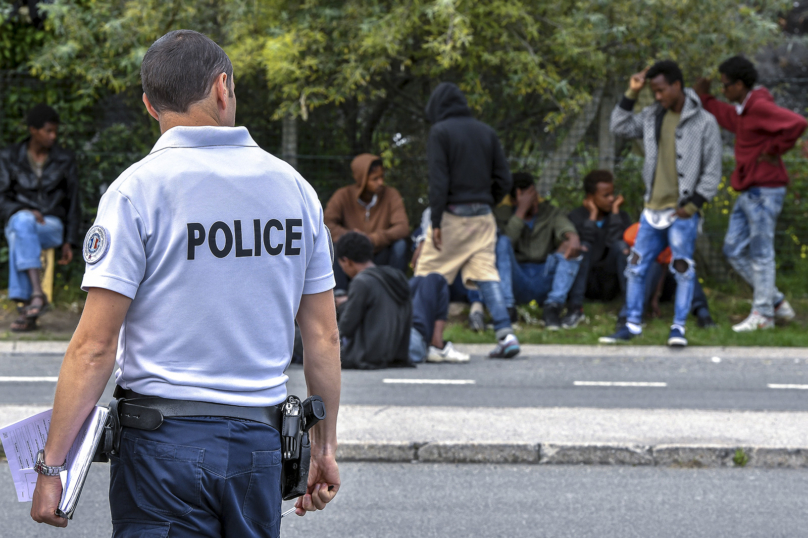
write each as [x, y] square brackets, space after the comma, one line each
[96, 244]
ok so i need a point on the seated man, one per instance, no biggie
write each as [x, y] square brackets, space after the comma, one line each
[538, 253]
[430, 308]
[600, 223]
[660, 286]
[39, 201]
[374, 322]
[372, 208]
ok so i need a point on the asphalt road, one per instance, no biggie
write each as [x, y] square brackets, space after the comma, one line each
[425, 500]
[690, 382]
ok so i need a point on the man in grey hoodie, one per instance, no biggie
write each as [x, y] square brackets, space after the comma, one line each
[682, 171]
[374, 322]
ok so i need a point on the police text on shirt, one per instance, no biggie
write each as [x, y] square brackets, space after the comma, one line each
[221, 238]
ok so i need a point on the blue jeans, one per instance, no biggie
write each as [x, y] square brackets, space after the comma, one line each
[201, 476]
[749, 243]
[460, 293]
[699, 306]
[650, 242]
[430, 303]
[394, 255]
[26, 240]
[547, 282]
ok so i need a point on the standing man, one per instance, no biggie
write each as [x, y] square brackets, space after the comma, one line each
[39, 202]
[374, 209]
[763, 132]
[682, 171]
[600, 223]
[468, 174]
[198, 300]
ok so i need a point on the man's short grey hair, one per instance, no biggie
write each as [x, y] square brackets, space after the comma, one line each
[180, 68]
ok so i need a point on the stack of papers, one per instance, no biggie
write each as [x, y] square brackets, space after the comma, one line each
[22, 440]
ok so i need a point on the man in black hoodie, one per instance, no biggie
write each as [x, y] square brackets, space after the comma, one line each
[374, 322]
[468, 174]
[600, 223]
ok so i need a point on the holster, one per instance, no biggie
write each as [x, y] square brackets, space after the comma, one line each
[298, 418]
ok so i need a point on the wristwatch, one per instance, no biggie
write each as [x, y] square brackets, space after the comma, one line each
[47, 470]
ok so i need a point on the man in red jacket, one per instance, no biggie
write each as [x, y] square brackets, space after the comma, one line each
[763, 132]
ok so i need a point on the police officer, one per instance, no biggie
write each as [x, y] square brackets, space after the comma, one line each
[200, 259]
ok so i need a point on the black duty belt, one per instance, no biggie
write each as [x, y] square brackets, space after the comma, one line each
[147, 412]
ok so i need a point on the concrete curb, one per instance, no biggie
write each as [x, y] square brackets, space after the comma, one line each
[670, 455]
[689, 456]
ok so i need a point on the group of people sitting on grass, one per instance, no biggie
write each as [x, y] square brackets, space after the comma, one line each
[487, 236]
[490, 239]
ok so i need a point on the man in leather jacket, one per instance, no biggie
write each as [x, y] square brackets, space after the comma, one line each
[39, 203]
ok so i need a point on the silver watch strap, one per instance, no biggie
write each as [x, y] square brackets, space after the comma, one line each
[47, 470]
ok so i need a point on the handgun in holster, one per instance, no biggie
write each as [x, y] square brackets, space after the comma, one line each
[298, 418]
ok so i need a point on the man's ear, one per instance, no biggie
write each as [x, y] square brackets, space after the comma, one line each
[152, 111]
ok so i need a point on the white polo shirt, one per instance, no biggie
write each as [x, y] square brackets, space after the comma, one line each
[215, 241]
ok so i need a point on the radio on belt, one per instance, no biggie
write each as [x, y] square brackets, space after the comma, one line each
[298, 418]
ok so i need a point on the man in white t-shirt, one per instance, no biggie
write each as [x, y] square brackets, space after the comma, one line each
[201, 257]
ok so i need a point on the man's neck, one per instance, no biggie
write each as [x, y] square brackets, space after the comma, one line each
[744, 94]
[366, 196]
[679, 105]
[367, 265]
[197, 116]
[39, 151]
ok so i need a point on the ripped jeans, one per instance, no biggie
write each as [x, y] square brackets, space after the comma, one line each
[650, 242]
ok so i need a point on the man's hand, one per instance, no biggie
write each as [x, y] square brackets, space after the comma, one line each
[769, 158]
[702, 86]
[618, 202]
[67, 254]
[571, 247]
[437, 240]
[38, 216]
[592, 208]
[47, 494]
[416, 255]
[323, 485]
[525, 200]
[682, 213]
[637, 80]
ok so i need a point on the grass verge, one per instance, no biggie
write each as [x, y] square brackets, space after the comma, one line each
[601, 319]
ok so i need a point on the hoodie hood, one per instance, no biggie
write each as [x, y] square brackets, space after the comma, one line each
[393, 281]
[692, 103]
[757, 94]
[360, 167]
[446, 101]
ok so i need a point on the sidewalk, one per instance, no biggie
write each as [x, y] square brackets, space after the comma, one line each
[663, 437]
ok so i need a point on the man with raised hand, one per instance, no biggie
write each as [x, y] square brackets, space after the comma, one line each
[763, 132]
[682, 171]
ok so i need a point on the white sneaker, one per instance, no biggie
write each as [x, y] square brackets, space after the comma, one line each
[447, 354]
[754, 322]
[784, 311]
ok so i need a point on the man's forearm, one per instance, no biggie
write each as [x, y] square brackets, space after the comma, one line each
[82, 379]
[321, 366]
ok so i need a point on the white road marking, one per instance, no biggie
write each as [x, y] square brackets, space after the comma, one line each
[430, 381]
[620, 384]
[779, 386]
[33, 379]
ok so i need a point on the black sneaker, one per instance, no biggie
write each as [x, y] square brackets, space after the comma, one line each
[572, 318]
[513, 314]
[706, 322]
[552, 313]
[621, 322]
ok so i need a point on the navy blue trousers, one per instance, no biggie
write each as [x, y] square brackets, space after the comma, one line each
[197, 477]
